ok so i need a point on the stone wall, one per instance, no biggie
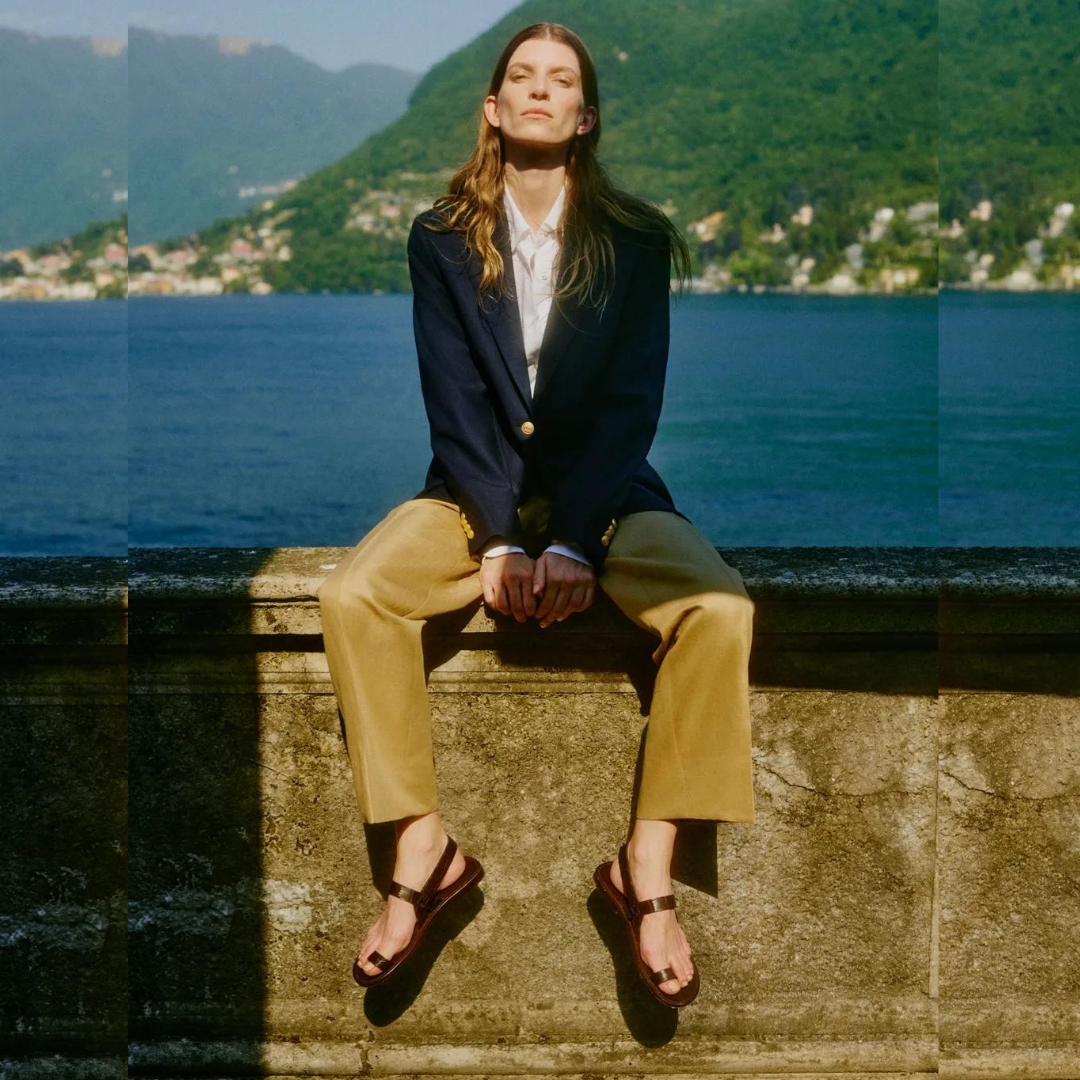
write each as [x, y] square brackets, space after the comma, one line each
[906, 904]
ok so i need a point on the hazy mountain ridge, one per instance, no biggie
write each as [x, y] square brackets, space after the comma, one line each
[216, 119]
[63, 114]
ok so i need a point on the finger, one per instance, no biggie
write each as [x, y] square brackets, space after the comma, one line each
[590, 594]
[539, 576]
[549, 606]
[577, 597]
[517, 603]
[558, 606]
[551, 589]
[502, 602]
[570, 606]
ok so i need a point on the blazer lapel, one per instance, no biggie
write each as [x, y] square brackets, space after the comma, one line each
[566, 327]
[503, 318]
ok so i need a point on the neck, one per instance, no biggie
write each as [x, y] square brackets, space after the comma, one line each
[534, 190]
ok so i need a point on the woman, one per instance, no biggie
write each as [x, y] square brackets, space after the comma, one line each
[541, 322]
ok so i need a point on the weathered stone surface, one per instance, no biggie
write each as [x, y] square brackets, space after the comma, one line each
[1009, 853]
[813, 927]
[816, 928]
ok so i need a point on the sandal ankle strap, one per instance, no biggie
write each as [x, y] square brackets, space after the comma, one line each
[641, 908]
[627, 884]
[421, 899]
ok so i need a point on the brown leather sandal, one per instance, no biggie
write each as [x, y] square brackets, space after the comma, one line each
[632, 912]
[429, 901]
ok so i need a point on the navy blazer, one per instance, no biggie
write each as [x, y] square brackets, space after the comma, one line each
[583, 437]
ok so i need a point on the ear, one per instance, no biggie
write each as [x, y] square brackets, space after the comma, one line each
[588, 121]
[491, 110]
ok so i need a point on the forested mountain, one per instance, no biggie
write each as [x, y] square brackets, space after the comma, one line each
[755, 109]
[63, 134]
[713, 101]
[797, 141]
[219, 124]
[1010, 103]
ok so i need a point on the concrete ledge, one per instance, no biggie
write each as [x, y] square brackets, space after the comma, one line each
[906, 903]
[63, 874]
[1010, 619]
[826, 617]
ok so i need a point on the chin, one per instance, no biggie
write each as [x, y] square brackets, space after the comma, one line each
[550, 144]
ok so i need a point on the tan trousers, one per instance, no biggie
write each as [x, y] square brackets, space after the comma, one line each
[660, 571]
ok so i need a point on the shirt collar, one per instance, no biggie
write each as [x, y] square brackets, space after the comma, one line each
[519, 227]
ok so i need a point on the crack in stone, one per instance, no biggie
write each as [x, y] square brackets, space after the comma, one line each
[1008, 798]
[840, 794]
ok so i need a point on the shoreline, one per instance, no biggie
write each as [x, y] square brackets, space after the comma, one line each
[746, 290]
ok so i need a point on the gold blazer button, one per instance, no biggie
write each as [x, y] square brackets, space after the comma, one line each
[528, 427]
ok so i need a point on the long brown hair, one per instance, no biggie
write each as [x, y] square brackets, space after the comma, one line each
[586, 271]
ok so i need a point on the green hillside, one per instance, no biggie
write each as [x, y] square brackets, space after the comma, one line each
[751, 108]
[1010, 132]
[90, 264]
[719, 100]
[1010, 103]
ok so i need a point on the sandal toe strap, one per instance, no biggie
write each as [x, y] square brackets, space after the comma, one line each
[410, 896]
[658, 903]
[378, 960]
[663, 975]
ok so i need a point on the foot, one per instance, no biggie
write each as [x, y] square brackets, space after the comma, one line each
[393, 929]
[663, 944]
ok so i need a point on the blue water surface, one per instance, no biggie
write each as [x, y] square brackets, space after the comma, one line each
[1010, 419]
[298, 420]
[63, 428]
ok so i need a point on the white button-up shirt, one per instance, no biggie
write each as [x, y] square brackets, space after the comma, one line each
[534, 255]
[534, 266]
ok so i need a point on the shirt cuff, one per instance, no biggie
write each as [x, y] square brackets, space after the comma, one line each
[501, 549]
[562, 549]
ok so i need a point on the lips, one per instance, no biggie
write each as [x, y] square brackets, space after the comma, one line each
[537, 112]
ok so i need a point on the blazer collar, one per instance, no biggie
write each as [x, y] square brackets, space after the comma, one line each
[565, 326]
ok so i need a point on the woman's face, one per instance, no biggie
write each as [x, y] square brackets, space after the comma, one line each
[541, 102]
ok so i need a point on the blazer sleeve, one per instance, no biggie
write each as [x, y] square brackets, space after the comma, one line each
[629, 399]
[465, 434]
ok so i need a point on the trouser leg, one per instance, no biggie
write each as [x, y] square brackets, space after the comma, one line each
[414, 564]
[667, 577]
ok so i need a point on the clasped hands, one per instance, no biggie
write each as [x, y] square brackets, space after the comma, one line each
[552, 587]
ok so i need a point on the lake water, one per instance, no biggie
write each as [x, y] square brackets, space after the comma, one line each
[63, 428]
[298, 420]
[1010, 419]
